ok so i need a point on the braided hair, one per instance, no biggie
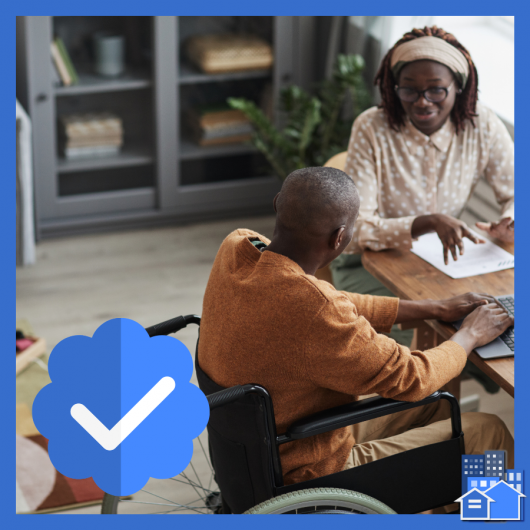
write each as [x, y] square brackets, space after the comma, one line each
[465, 104]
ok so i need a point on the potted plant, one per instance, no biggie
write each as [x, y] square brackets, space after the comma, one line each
[316, 127]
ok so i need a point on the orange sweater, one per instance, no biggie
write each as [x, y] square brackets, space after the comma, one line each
[312, 347]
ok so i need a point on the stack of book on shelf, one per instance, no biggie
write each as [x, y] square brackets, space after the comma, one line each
[217, 54]
[92, 134]
[63, 69]
[218, 125]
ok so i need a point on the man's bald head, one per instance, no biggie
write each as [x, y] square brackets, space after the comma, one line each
[315, 201]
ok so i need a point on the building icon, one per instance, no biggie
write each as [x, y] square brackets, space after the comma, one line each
[481, 483]
[489, 490]
[472, 466]
[506, 504]
[515, 478]
[475, 506]
[495, 464]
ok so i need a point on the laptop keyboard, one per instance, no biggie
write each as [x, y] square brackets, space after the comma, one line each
[508, 337]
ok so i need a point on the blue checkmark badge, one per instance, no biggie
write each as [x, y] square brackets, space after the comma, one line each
[120, 407]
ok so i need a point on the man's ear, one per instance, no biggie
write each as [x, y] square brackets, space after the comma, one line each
[274, 202]
[335, 241]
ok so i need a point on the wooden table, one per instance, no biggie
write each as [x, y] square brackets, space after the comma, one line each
[412, 278]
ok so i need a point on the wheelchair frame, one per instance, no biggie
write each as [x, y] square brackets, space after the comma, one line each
[409, 482]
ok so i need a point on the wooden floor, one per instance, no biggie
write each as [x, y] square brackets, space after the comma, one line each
[148, 276]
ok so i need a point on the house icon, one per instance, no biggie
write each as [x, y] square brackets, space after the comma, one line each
[475, 505]
[507, 502]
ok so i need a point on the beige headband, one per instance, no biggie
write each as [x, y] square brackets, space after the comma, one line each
[433, 49]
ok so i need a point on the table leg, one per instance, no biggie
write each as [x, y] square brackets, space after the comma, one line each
[453, 387]
[426, 337]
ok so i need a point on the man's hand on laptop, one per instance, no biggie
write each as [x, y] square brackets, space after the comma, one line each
[456, 308]
[485, 320]
[482, 326]
[448, 310]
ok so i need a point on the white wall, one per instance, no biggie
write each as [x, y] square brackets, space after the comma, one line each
[490, 41]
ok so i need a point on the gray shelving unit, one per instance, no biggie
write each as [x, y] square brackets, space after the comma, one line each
[189, 76]
[90, 83]
[160, 176]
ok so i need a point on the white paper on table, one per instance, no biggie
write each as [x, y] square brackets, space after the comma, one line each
[477, 258]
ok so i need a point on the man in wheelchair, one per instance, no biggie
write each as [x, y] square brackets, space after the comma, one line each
[267, 320]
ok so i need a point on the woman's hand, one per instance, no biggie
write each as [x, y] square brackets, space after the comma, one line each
[503, 229]
[451, 232]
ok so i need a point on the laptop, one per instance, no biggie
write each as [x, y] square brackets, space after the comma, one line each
[504, 345]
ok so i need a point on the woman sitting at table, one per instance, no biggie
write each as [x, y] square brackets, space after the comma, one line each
[417, 158]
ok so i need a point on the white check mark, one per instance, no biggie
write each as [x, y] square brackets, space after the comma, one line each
[110, 439]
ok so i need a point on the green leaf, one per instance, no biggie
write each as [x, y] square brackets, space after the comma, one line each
[316, 126]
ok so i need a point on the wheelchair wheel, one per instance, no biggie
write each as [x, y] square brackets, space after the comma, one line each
[194, 491]
[322, 501]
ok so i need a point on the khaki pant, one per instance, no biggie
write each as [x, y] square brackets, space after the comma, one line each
[426, 425]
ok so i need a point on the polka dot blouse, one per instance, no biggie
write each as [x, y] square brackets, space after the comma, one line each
[401, 175]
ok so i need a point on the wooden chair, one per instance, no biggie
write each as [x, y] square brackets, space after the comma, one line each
[338, 162]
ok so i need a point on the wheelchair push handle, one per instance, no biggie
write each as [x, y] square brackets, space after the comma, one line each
[173, 325]
[228, 395]
[223, 397]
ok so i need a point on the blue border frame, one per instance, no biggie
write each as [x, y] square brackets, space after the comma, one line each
[7, 224]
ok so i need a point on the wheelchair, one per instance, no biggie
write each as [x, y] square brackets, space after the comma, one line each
[243, 459]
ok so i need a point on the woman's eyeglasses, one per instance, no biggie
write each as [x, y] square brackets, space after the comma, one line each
[434, 94]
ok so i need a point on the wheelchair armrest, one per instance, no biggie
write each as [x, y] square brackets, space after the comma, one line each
[359, 411]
